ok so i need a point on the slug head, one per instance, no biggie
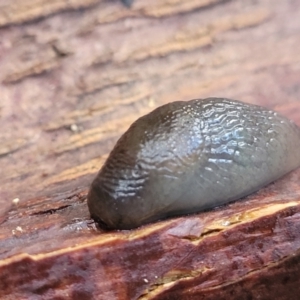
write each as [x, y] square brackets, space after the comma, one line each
[136, 183]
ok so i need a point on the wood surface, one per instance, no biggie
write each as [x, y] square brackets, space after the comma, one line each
[73, 76]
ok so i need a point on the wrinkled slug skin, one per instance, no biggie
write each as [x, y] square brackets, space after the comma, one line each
[188, 156]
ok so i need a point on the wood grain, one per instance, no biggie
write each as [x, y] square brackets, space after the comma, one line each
[73, 76]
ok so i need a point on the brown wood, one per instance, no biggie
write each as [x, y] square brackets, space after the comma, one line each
[73, 76]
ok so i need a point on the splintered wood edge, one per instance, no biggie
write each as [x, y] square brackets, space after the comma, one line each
[163, 259]
[213, 228]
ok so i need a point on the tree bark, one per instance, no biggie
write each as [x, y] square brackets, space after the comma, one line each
[74, 75]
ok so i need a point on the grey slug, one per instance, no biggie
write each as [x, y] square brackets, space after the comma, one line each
[189, 156]
[127, 2]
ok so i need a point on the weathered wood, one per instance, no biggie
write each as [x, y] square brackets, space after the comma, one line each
[73, 76]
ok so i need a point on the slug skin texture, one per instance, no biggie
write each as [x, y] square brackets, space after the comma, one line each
[188, 156]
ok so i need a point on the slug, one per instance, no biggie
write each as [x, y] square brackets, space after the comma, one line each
[127, 2]
[188, 156]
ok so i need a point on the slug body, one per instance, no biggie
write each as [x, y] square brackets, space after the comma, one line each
[189, 156]
[127, 2]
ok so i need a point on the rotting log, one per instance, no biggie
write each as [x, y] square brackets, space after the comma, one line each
[74, 75]
[250, 249]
